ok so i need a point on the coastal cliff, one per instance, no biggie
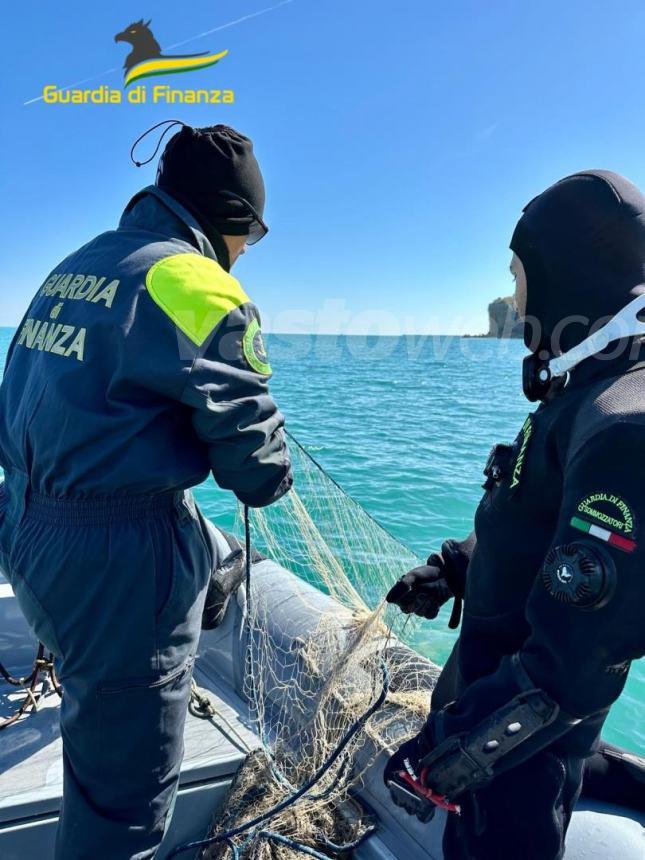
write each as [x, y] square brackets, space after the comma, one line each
[502, 319]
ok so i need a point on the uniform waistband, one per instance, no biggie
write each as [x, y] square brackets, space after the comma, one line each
[100, 511]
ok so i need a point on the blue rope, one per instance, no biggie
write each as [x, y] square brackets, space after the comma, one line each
[354, 729]
[270, 836]
[323, 795]
[235, 854]
[350, 846]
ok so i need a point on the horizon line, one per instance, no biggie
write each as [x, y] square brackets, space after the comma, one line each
[353, 334]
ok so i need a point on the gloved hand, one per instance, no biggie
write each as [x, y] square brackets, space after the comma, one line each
[424, 590]
[405, 777]
[411, 751]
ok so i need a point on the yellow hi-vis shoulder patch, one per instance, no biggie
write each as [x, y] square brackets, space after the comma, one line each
[195, 292]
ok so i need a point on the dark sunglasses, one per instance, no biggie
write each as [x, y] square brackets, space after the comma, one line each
[258, 228]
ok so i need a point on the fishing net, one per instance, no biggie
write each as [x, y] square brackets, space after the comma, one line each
[329, 678]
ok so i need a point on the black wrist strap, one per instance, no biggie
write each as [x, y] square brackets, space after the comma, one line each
[455, 615]
[466, 760]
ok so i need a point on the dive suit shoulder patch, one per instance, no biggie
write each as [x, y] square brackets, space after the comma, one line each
[195, 292]
[254, 350]
[607, 517]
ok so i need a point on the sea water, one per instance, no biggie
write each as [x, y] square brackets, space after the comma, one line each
[404, 425]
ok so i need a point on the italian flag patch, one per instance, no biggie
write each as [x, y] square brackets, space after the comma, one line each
[612, 538]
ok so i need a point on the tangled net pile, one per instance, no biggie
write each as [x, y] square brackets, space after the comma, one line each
[312, 685]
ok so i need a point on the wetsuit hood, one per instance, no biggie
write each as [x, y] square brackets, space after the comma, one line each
[582, 245]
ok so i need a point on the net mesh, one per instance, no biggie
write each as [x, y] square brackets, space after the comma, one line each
[318, 658]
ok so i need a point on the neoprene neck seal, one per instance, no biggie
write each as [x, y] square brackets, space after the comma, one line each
[540, 374]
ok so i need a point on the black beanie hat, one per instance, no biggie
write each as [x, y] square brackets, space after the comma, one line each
[213, 172]
[582, 245]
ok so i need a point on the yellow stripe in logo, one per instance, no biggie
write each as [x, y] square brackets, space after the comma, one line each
[169, 65]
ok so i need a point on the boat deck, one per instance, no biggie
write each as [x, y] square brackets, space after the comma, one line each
[31, 765]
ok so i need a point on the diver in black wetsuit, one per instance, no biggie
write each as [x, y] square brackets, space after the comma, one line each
[553, 579]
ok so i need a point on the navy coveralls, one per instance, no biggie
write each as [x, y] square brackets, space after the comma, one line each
[138, 368]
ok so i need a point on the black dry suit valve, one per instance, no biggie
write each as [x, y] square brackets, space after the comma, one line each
[540, 373]
[536, 377]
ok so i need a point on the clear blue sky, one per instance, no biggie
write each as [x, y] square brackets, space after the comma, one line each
[399, 140]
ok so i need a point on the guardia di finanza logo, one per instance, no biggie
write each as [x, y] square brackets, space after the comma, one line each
[147, 60]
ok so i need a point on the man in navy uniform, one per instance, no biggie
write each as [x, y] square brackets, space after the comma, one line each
[138, 369]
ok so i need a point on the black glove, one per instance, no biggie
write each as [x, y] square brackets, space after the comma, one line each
[424, 590]
[405, 776]
[411, 751]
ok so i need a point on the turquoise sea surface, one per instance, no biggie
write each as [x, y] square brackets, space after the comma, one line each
[404, 425]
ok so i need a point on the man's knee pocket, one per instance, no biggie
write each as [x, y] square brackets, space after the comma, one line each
[141, 723]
